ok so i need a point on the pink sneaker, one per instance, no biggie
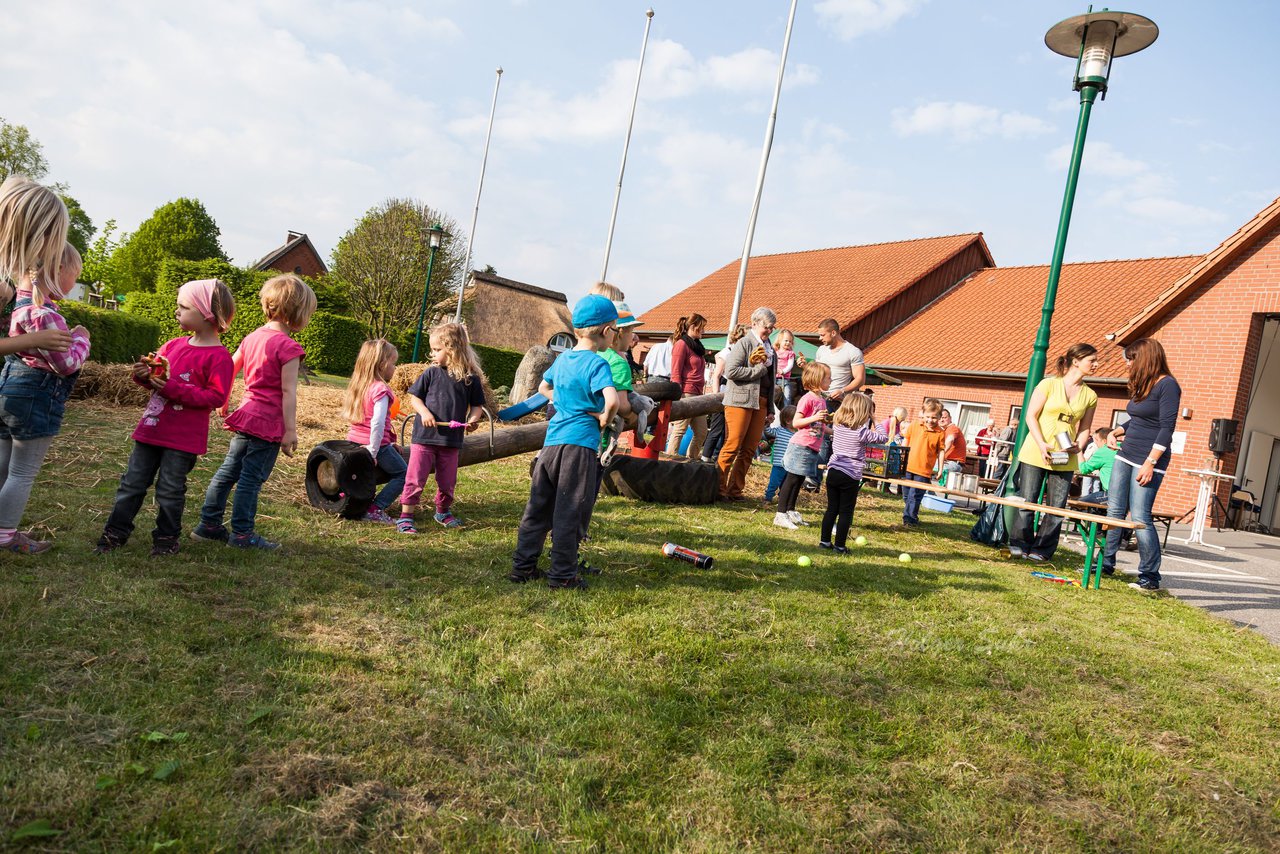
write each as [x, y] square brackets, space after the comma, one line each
[377, 514]
[22, 544]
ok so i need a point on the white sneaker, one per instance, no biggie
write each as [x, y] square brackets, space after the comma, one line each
[783, 520]
[796, 518]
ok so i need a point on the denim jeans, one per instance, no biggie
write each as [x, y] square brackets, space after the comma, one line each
[1023, 534]
[1129, 496]
[776, 475]
[32, 401]
[169, 469]
[912, 496]
[390, 461]
[247, 466]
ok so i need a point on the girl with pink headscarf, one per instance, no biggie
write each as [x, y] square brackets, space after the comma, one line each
[189, 377]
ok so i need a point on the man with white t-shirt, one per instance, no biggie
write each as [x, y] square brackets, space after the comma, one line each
[848, 374]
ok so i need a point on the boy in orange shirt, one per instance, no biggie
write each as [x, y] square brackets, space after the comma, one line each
[926, 441]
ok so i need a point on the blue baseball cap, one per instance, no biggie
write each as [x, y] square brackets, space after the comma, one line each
[593, 310]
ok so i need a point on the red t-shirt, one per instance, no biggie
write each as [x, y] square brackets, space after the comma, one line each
[177, 416]
[958, 451]
[263, 353]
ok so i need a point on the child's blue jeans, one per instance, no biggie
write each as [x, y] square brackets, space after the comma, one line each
[912, 496]
[247, 466]
[776, 476]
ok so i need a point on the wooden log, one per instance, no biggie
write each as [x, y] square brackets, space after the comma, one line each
[485, 445]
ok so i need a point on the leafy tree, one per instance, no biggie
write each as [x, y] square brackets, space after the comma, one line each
[20, 153]
[98, 260]
[383, 262]
[181, 229]
[81, 230]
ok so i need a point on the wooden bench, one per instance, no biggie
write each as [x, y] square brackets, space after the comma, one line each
[1091, 525]
[1166, 519]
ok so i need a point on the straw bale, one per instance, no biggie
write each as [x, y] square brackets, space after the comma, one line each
[109, 384]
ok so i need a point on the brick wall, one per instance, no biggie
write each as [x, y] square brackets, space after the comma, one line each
[301, 260]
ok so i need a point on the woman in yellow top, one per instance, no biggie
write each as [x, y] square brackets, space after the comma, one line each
[1061, 406]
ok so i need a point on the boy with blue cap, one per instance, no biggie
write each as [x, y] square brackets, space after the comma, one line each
[565, 478]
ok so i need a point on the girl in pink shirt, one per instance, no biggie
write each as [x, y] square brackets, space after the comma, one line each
[371, 407]
[189, 378]
[266, 421]
[801, 460]
[35, 382]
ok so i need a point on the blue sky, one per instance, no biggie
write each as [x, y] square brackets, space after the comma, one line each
[899, 119]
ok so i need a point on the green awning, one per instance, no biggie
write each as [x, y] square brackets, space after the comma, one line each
[809, 351]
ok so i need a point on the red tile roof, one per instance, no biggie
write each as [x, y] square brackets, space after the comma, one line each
[988, 323]
[1210, 265]
[804, 288]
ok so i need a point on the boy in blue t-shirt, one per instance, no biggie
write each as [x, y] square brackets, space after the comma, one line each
[565, 478]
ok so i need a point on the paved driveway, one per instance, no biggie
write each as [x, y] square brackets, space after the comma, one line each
[1241, 584]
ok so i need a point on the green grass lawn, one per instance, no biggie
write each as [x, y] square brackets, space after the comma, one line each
[365, 689]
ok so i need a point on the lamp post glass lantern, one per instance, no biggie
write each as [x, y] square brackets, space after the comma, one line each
[435, 236]
[1093, 39]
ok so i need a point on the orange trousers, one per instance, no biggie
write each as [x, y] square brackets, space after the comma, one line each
[742, 431]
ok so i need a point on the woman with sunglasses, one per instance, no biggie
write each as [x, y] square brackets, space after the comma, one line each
[1142, 445]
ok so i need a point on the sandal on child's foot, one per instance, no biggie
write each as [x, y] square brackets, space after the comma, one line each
[405, 525]
[448, 520]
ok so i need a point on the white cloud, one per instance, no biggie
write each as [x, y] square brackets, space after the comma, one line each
[852, 18]
[965, 121]
[1134, 187]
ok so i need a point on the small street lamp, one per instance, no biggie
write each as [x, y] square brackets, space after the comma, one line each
[436, 236]
[1093, 40]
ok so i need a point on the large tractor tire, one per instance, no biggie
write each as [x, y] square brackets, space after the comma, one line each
[661, 481]
[342, 478]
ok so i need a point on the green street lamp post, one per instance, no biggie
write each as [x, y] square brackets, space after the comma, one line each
[436, 236]
[1094, 39]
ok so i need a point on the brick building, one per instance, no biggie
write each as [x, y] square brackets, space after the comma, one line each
[1217, 316]
[939, 315]
[296, 255]
[869, 289]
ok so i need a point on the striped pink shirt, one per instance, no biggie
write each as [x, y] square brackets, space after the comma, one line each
[32, 318]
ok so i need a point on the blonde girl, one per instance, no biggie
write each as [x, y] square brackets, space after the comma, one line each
[43, 356]
[854, 429]
[788, 359]
[191, 378]
[448, 399]
[370, 406]
[801, 460]
[266, 421]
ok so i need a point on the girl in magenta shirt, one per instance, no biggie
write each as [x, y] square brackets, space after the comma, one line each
[371, 407]
[801, 459]
[266, 421]
[191, 378]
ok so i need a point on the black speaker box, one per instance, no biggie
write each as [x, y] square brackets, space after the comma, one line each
[1222, 437]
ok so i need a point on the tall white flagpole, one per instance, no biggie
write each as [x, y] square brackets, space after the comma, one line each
[475, 215]
[617, 195]
[764, 164]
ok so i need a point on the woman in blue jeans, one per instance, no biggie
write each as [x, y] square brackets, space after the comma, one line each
[1142, 455]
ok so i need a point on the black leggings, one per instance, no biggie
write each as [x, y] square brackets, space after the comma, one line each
[789, 492]
[842, 497]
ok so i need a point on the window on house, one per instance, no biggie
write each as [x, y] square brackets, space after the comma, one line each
[970, 417]
[1118, 417]
[562, 341]
[1015, 414]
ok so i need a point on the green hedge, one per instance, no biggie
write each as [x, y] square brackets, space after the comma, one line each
[114, 337]
[499, 365]
[332, 342]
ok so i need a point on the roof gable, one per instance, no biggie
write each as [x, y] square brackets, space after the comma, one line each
[803, 288]
[293, 240]
[988, 323]
[1210, 265]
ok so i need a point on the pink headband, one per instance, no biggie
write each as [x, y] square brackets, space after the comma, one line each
[200, 295]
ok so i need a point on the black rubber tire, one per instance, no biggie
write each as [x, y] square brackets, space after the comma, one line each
[661, 481]
[341, 478]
